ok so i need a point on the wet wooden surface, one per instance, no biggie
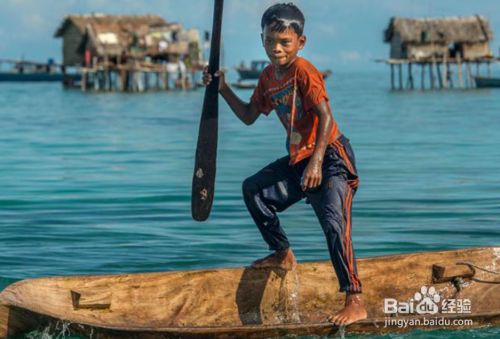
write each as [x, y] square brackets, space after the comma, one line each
[233, 302]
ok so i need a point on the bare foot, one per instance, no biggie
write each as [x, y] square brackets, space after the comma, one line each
[353, 311]
[279, 259]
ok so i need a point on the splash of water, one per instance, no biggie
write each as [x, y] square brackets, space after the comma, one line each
[287, 306]
[60, 330]
[64, 331]
[293, 297]
[341, 331]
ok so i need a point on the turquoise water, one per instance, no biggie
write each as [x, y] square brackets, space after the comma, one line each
[101, 183]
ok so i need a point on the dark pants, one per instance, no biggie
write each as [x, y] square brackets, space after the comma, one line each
[277, 186]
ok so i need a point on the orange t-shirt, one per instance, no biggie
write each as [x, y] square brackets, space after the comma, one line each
[304, 82]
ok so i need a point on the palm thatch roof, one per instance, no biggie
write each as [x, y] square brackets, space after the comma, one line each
[470, 29]
[112, 23]
[113, 34]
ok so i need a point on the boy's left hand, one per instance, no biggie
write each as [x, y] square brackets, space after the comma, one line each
[312, 176]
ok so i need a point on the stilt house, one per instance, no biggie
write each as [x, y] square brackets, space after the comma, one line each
[448, 37]
[443, 46]
[96, 38]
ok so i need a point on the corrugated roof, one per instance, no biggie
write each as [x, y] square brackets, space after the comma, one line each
[444, 30]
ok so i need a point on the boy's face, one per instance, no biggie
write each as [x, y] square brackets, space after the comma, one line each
[282, 47]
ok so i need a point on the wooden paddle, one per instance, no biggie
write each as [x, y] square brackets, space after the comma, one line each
[202, 194]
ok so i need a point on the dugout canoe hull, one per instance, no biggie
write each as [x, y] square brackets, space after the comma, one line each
[244, 302]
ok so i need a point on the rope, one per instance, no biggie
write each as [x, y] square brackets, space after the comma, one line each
[475, 266]
[472, 266]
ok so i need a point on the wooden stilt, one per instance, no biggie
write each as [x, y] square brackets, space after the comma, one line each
[469, 75]
[439, 76]
[97, 80]
[449, 76]
[431, 72]
[106, 79]
[489, 69]
[422, 80]
[410, 76]
[445, 71]
[400, 76]
[459, 71]
[84, 81]
[121, 85]
[146, 80]
[392, 76]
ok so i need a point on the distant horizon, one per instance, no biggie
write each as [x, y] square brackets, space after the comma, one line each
[339, 36]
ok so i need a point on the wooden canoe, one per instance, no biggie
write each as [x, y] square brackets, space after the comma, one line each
[244, 302]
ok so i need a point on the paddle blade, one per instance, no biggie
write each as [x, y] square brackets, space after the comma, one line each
[203, 186]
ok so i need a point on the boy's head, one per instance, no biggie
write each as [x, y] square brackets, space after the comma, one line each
[282, 33]
[280, 17]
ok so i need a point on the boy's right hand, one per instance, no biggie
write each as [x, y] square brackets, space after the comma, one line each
[207, 78]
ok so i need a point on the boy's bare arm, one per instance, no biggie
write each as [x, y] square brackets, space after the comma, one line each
[312, 176]
[246, 112]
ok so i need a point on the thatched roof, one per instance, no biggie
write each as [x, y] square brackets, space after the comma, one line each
[111, 23]
[470, 29]
[113, 34]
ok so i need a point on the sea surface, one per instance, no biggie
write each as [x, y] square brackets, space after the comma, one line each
[101, 183]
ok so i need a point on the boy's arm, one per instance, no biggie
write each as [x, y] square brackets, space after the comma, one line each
[246, 112]
[312, 176]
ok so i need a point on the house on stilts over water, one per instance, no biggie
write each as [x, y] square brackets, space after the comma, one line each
[445, 49]
[130, 52]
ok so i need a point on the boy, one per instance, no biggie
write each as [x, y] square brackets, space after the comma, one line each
[320, 165]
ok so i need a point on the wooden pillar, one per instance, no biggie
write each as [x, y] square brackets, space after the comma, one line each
[97, 80]
[459, 71]
[193, 78]
[106, 79]
[400, 76]
[146, 80]
[392, 76]
[469, 74]
[410, 76]
[489, 69]
[431, 72]
[422, 80]
[84, 81]
[123, 80]
[445, 72]
[439, 75]
[132, 80]
[449, 76]
[477, 69]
